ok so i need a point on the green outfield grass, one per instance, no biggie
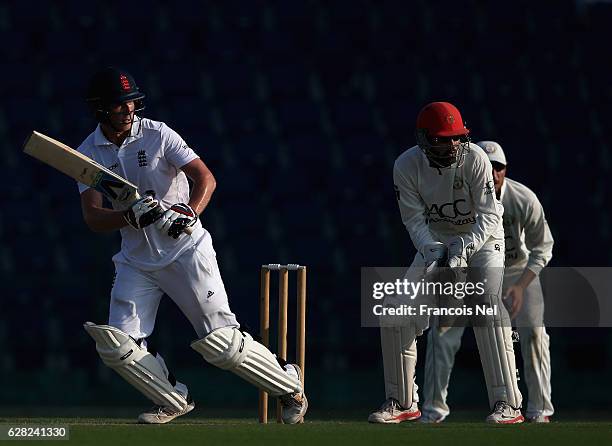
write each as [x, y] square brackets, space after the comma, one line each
[197, 429]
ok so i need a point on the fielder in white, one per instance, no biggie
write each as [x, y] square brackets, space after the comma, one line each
[446, 198]
[158, 257]
[529, 246]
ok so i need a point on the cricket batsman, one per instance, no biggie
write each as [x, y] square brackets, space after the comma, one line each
[529, 244]
[165, 250]
[446, 197]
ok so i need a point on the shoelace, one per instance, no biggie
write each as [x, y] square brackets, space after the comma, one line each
[390, 406]
[290, 400]
[500, 407]
[161, 410]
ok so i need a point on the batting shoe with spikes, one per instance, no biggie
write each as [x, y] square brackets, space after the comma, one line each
[391, 412]
[539, 419]
[294, 405]
[504, 413]
[163, 415]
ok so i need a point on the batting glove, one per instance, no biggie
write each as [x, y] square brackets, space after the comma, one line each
[143, 212]
[176, 219]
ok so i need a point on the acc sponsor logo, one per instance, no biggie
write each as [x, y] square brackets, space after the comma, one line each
[489, 187]
[456, 212]
[458, 183]
[113, 167]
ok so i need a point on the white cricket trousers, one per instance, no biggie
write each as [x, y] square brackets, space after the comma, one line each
[535, 350]
[192, 281]
[495, 344]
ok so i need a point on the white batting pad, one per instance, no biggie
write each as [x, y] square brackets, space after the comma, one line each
[399, 362]
[498, 364]
[231, 349]
[135, 364]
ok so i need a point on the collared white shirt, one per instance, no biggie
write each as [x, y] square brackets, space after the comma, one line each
[529, 242]
[436, 204]
[151, 157]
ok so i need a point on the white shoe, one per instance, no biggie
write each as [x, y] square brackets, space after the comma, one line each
[163, 415]
[539, 419]
[431, 417]
[392, 412]
[294, 405]
[503, 413]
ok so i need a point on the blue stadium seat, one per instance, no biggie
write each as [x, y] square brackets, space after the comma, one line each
[299, 117]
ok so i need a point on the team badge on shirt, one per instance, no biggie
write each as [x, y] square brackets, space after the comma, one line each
[142, 158]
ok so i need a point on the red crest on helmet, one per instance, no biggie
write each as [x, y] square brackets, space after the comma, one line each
[125, 82]
[441, 119]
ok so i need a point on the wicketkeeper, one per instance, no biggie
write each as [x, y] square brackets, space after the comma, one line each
[529, 244]
[446, 197]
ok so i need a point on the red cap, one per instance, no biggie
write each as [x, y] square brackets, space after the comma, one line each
[441, 119]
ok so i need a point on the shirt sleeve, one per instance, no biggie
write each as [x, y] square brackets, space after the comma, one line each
[538, 238]
[488, 209]
[412, 210]
[176, 150]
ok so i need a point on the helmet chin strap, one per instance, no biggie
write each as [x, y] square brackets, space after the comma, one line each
[120, 134]
[109, 122]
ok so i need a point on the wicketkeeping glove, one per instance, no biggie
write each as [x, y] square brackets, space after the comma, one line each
[459, 253]
[176, 219]
[435, 255]
[143, 212]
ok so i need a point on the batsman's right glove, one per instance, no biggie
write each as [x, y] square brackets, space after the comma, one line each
[179, 218]
[143, 212]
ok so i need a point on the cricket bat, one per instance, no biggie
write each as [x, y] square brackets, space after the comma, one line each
[83, 169]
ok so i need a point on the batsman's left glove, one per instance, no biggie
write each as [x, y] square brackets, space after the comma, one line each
[143, 212]
[176, 219]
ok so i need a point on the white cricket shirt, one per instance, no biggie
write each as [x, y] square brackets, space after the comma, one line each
[151, 158]
[529, 242]
[436, 204]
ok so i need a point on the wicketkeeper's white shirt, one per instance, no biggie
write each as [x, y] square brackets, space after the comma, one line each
[151, 158]
[529, 241]
[436, 204]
